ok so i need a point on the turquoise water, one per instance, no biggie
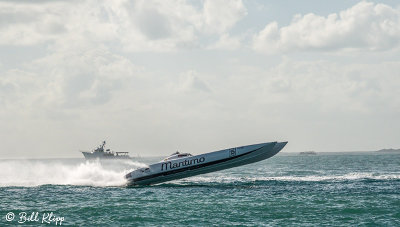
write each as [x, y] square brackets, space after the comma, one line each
[338, 189]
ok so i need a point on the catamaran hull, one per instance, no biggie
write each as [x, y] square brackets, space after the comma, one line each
[204, 163]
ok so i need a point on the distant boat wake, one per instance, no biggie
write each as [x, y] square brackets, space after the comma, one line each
[30, 173]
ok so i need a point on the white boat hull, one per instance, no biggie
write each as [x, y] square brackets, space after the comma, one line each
[204, 163]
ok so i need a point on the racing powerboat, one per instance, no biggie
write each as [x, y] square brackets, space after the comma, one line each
[182, 165]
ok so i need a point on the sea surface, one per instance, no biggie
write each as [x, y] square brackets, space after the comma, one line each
[328, 189]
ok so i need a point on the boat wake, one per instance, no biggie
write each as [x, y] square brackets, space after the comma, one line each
[30, 173]
[311, 178]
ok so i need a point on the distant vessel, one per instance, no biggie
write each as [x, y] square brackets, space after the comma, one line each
[181, 165]
[308, 153]
[101, 153]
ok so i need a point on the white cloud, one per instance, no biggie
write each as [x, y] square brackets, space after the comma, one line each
[189, 82]
[28, 24]
[171, 25]
[226, 42]
[365, 26]
[336, 88]
[221, 15]
[135, 25]
[65, 80]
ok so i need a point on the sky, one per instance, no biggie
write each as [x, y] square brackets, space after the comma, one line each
[153, 77]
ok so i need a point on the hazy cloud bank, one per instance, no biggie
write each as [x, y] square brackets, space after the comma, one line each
[156, 76]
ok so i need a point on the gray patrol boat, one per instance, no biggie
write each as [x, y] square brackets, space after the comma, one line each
[102, 153]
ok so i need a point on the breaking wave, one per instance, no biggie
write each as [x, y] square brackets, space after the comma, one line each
[30, 173]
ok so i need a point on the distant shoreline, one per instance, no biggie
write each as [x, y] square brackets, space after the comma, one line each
[390, 150]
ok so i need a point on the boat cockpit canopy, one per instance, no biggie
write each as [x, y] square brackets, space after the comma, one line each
[177, 155]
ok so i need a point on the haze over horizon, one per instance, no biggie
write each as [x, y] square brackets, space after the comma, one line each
[153, 77]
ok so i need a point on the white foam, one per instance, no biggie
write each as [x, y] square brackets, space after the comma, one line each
[40, 172]
[94, 173]
[344, 177]
[311, 178]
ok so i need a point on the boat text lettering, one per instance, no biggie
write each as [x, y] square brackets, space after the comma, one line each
[170, 165]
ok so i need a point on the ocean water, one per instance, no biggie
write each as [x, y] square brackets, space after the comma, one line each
[335, 189]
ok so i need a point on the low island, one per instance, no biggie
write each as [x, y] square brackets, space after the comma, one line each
[390, 150]
[308, 153]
